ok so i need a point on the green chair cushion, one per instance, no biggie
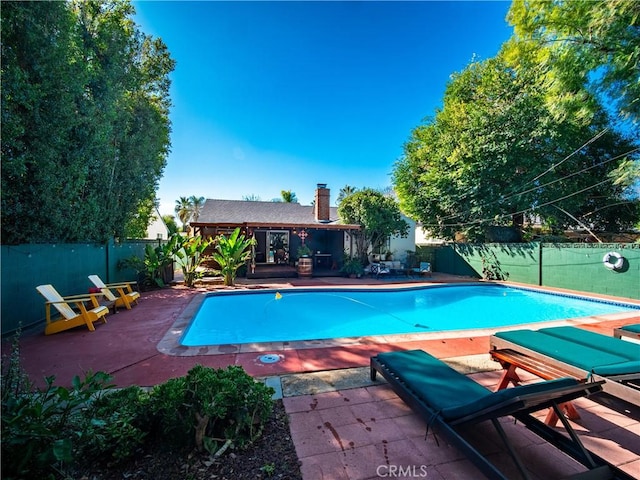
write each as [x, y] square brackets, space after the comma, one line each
[433, 381]
[624, 368]
[634, 328]
[576, 354]
[448, 391]
[615, 346]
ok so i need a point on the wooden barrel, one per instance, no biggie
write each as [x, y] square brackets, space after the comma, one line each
[305, 266]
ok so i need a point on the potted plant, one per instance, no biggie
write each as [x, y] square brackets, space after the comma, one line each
[352, 267]
[305, 262]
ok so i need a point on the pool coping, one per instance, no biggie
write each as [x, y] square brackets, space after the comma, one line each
[170, 342]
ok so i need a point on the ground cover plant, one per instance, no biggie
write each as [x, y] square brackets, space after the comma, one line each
[211, 423]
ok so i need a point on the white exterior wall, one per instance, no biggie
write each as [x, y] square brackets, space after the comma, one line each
[399, 245]
[156, 228]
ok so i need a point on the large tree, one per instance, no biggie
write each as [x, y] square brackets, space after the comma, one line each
[494, 154]
[378, 216]
[85, 103]
[577, 45]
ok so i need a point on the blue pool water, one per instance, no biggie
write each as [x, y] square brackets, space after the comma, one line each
[291, 315]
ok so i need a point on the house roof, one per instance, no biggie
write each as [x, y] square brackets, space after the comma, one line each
[283, 214]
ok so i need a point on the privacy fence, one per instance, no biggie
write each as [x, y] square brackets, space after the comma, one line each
[65, 266]
[572, 266]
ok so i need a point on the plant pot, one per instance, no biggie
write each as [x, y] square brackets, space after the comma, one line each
[167, 274]
[305, 267]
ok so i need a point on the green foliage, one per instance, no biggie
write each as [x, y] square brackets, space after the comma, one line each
[268, 469]
[288, 196]
[231, 253]
[345, 192]
[580, 46]
[494, 154]
[136, 226]
[58, 429]
[45, 429]
[170, 222]
[216, 409]
[119, 426]
[155, 262]
[304, 251]
[352, 266]
[190, 256]
[85, 121]
[378, 216]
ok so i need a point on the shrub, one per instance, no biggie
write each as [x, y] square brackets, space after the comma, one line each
[42, 430]
[57, 429]
[216, 409]
[119, 425]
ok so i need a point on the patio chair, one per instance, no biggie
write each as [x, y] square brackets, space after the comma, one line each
[423, 269]
[379, 268]
[571, 351]
[629, 331]
[451, 401]
[126, 295]
[70, 318]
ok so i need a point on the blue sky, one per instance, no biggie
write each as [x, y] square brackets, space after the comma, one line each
[270, 96]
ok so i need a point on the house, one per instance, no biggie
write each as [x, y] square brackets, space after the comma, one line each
[280, 229]
[157, 229]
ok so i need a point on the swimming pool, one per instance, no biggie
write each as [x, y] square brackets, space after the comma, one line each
[303, 314]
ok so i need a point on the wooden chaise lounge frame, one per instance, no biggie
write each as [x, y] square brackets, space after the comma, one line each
[421, 383]
[623, 384]
[629, 331]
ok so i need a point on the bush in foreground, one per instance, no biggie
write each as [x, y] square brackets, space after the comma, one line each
[47, 432]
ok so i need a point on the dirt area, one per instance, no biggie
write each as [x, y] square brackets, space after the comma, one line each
[273, 456]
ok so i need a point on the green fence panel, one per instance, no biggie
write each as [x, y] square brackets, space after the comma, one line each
[448, 260]
[123, 251]
[517, 262]
[581, 267]
[574, 266]
[65, 266]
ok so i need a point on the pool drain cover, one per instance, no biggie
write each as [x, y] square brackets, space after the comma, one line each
[269, 358]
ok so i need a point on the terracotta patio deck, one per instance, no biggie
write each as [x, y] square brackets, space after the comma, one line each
[350, 430]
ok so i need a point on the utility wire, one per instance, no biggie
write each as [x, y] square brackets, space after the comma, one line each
[551, 202]
[593, 139]
[517, 194]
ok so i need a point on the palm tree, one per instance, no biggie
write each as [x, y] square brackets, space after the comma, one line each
[288, 196]
[345, 192]
[196, 207]
[183, 211]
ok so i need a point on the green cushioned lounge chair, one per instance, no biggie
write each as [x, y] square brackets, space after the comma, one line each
[630, 331]
[449, 401]
[576, 352]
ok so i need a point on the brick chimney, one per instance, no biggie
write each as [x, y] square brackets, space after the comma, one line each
[322, 203]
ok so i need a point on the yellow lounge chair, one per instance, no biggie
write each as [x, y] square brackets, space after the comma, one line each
[71, 318]
[126, 295]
